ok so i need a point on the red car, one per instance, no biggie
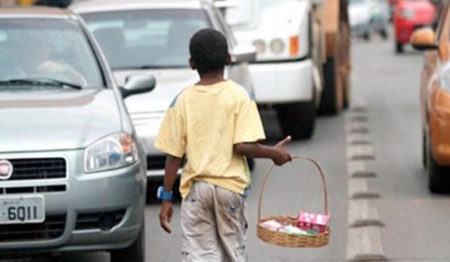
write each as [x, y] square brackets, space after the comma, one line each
[408, 16]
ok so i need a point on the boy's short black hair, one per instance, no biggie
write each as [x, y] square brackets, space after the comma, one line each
[209, 50]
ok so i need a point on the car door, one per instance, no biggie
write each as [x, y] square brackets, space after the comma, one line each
[433, 63]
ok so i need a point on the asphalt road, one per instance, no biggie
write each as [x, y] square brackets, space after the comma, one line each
[416, 222]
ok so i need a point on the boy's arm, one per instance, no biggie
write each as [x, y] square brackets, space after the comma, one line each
[173, 164]
[171, 170]
[277, 153]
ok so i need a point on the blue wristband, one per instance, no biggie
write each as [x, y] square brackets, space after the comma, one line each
[163, 195]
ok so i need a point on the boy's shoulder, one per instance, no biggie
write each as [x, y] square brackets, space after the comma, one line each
[240, 91]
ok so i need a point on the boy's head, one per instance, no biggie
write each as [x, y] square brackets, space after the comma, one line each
[209, 51]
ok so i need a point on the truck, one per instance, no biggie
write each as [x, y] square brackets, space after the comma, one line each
[303, 57]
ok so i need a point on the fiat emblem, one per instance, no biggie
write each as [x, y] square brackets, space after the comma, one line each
[6, 169]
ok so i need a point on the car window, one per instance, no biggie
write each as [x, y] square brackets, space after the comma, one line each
[47, 48]
[157, 38]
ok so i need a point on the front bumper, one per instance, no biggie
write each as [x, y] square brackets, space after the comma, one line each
[115, 190]
[440, 126]
[147, 126]
[283, 82]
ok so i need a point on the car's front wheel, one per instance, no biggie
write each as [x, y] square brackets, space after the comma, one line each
[436, 174]
[135, 252]
[398, 47]
[297, 119]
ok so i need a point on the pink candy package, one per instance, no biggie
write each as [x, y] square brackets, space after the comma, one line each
[313, 222]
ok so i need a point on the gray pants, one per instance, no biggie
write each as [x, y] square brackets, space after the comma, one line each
[214, 225]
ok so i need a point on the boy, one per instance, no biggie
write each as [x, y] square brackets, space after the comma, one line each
[216, 124]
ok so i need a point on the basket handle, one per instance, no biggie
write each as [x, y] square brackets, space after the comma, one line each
[269, 170]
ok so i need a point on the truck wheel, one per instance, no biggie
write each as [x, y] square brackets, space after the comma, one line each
[135, 252]
[436, 173]
[297, 119]
[398, 47]
[330, 104]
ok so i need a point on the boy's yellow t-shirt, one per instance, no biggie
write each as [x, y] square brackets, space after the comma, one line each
[203, 123]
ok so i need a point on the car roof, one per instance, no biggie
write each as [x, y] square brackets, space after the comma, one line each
[115, 5]
[34, 12]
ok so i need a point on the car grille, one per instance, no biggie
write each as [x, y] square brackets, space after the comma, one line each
[52, 228]
[39, 168]
[156, 162]
[33, 189]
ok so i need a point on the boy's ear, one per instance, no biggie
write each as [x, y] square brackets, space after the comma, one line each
[228, 60]
[192, 64]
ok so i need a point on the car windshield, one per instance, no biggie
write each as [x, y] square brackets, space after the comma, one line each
[146, 38]
[40, 53]
[357, 1]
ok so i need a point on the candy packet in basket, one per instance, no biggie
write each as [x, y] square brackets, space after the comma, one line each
[313, 222]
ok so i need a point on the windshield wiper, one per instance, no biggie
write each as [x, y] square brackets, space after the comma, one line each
[41, 81]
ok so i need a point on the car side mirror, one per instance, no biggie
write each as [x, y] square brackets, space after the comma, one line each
[423, 39]
[138, 84]
[243, 53]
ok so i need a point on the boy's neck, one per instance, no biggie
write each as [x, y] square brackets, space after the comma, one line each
[210, 78]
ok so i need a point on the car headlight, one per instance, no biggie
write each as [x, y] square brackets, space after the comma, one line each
[408, 14]
[111, 152]
[260, 46]
[277, 46]
[444, 77]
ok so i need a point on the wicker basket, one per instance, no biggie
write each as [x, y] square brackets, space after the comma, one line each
[285, 239]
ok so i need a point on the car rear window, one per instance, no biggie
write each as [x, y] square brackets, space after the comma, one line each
[155, 38]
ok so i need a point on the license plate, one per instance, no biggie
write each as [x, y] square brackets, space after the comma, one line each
[22, 209]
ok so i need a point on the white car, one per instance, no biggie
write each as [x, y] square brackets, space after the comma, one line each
[285, 75]
[360, 16]
[152, 37]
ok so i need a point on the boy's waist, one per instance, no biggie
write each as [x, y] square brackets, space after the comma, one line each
[236, 183]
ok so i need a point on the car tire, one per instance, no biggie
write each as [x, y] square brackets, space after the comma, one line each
[384, 33]
[366, 36]
[329, 104]
[436, 174]
[398, 47]
[297, 119]
[135, 252]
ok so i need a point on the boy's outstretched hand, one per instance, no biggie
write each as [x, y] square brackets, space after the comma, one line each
[165, 215]
[282, 155]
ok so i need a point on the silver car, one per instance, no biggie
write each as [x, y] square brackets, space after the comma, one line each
[72, 176]
[152, 37]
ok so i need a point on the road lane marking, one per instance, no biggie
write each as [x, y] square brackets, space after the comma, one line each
[357, 127]
[356, 117]
[358, 169]
[364, 244]
[360, 152]
[359, 139]
[360, 214]
[358, 189]
[364, 236]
